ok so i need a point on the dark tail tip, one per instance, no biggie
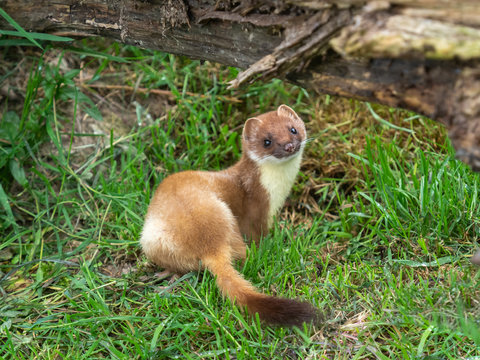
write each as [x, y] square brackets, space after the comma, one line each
[281, 311]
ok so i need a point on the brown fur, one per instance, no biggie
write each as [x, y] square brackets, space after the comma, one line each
[199, 219]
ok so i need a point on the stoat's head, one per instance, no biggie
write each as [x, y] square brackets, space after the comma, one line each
[274, 137]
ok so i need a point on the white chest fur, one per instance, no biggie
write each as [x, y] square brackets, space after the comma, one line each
[277, 178]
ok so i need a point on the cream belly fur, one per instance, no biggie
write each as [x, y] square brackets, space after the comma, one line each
[278, 180]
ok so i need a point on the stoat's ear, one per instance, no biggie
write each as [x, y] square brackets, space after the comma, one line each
[284, 110]
[249, 129]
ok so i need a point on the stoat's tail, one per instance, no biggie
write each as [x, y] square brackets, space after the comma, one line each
[273, 310]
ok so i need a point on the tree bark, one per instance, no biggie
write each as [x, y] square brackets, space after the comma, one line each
[419, 55]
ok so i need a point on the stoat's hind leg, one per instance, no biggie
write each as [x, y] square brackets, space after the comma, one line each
[160, 248]
[185, 228]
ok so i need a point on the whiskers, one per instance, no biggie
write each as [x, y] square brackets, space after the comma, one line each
[258, 159]
[271, 159]
[306, 141]
[263, 159]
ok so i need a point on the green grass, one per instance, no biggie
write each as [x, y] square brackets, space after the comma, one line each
[377, 232]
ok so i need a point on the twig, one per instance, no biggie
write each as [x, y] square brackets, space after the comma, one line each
[154, 91]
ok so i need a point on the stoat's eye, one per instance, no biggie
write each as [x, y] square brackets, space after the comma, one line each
[267, 143]
[293, 131]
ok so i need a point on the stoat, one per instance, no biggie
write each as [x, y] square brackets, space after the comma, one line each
[199, 219]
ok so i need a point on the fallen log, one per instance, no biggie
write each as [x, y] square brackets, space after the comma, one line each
[419, 55]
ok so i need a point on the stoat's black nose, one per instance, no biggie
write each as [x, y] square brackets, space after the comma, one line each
[289, 147]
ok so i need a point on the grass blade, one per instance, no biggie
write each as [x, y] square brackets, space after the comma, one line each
[38, 36]
[20, 30]
[6, 206]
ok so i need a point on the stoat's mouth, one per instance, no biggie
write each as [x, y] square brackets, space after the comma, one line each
[287, 150]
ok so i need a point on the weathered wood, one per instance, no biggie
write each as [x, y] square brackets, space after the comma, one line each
[421, 55]
[446, 91]
[146, 25]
